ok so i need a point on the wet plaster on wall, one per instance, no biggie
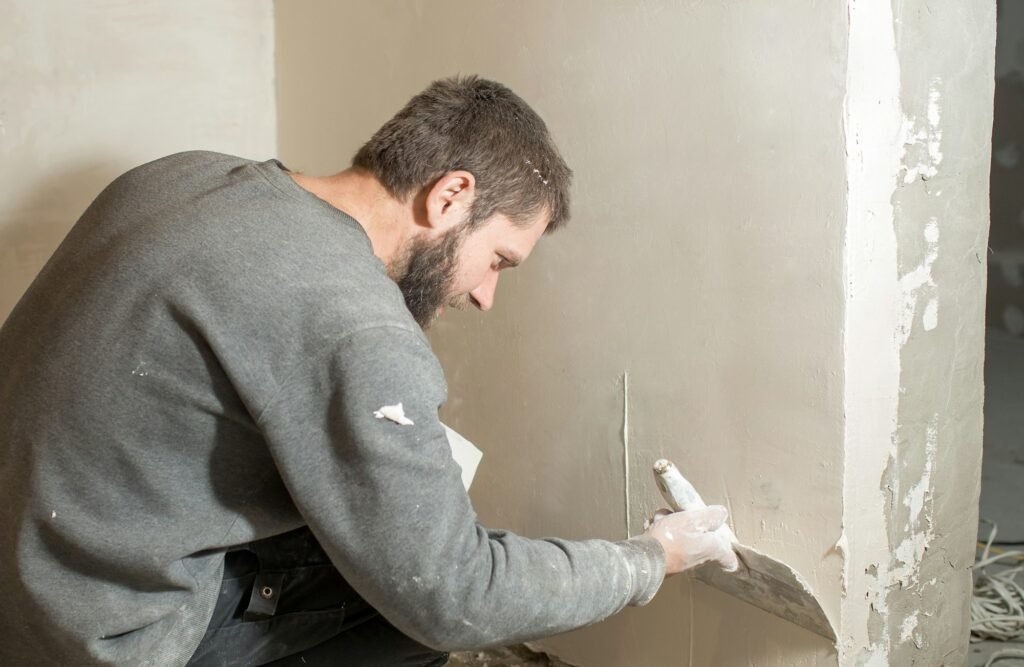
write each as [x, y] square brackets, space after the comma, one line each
[702, 257]
[918, 113]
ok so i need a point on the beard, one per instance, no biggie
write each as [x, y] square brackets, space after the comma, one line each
[425, 274]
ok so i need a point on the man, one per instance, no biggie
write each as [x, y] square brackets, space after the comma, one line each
[218, 414]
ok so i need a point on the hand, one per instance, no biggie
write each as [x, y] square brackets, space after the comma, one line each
[689, 538]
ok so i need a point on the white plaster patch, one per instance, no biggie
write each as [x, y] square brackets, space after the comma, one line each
[395, 413]
[908, 627]
[928, 135]
[930, 318]
[916, 283]
[911, 550]
[1013, 319]
[1007, 156]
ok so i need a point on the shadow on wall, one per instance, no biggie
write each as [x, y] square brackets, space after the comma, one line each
[34, 224]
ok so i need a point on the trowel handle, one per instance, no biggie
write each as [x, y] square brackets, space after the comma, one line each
[675, 489]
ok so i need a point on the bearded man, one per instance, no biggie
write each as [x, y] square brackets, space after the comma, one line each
[219, 441]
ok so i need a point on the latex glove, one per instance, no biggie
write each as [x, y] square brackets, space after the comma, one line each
[689, 538]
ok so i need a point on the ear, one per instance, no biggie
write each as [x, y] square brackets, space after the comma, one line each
[449, 200]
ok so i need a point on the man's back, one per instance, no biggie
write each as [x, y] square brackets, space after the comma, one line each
[135, 371]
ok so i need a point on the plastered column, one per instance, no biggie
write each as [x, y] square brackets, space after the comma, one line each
[919, 115]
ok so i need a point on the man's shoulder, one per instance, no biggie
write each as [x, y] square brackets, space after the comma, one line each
[191, 158]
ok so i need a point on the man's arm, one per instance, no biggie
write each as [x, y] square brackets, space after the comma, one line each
[386, 502]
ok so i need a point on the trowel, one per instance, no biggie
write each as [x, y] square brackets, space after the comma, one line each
[761, 580]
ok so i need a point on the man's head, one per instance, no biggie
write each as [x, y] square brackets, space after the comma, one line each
[484, 179]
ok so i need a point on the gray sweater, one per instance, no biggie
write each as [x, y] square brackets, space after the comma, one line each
[198, 366]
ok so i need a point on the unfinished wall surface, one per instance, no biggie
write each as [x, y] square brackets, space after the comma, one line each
[777, 217]
[919, 110]
[1006, 261]
[91, 89]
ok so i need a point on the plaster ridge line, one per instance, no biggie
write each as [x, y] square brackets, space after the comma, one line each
[625, 446]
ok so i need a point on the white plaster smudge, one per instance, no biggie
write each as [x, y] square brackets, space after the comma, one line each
[918, 283]
[907, 556]
[916, 496]
[930, 318]
[395, 413]
[923, 139]
[907, 630]
[842, 548]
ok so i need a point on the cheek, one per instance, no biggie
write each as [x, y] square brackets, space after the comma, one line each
[471, 271]
[467, 278]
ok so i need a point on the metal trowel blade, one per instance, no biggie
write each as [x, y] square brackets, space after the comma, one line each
[770, 585]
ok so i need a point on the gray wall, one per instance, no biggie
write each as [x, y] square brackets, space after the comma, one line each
[90, 89]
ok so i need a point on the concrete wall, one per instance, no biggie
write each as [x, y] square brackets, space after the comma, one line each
[90, 89]
[779, 235]
[1006, 261]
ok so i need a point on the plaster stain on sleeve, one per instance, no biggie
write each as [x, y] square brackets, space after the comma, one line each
[395, 413]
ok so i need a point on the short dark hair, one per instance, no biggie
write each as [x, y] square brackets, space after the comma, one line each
[480, 126]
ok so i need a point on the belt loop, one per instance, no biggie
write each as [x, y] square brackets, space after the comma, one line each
[266, 591]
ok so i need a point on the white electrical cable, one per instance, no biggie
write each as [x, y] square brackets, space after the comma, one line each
[1004, 654]
[997, 607]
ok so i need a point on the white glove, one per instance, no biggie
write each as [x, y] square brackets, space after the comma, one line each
[690, 538]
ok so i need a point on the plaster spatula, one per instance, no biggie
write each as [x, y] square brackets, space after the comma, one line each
[761, 580]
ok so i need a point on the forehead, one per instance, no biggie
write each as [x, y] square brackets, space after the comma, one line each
[500, 230]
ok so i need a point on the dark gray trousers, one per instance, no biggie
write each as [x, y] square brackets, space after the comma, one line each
[283, 603]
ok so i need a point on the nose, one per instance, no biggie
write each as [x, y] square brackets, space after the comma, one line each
[483, 294]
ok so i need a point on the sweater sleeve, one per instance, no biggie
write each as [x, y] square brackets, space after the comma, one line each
[386, 501]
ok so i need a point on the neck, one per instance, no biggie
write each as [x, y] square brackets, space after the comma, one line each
[385, 219]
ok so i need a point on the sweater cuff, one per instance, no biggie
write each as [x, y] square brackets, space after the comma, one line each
[646, 561]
